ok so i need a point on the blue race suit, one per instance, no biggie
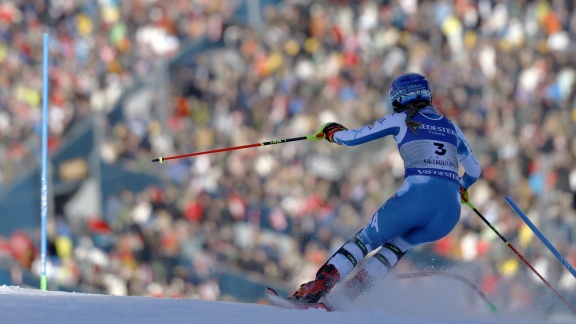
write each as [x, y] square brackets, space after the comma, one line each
[427, 206]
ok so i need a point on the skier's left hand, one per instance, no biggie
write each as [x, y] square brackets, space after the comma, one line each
[463, 195]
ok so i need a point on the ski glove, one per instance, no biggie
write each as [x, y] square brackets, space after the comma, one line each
[463, 195]
[329, 129]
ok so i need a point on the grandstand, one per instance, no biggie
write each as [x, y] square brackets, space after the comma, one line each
[134, 80]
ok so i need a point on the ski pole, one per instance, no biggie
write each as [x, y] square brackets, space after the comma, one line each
[458, 277]
[313, 137]
[520, 256]
[541, 236]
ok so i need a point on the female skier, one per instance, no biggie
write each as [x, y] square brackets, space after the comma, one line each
[427, 206]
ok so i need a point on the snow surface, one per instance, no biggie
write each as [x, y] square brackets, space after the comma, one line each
[29, 305]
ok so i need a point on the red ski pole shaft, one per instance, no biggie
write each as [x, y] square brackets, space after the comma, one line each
[313, 137]
[520, 256]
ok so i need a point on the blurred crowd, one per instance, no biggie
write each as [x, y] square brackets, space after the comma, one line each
[503, 70]
[97, 49]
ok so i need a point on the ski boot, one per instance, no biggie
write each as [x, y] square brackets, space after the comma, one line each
[357, 285]
[312, 291]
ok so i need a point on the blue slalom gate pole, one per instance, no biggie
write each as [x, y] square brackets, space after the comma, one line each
[541, 236]
[43, 180]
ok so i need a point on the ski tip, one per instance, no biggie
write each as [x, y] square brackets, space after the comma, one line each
[271, 291]
[277, 300]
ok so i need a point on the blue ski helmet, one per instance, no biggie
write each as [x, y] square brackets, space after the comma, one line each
[409, 87]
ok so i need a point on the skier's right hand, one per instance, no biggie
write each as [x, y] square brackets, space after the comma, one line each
[329, 129]
[464, 195]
